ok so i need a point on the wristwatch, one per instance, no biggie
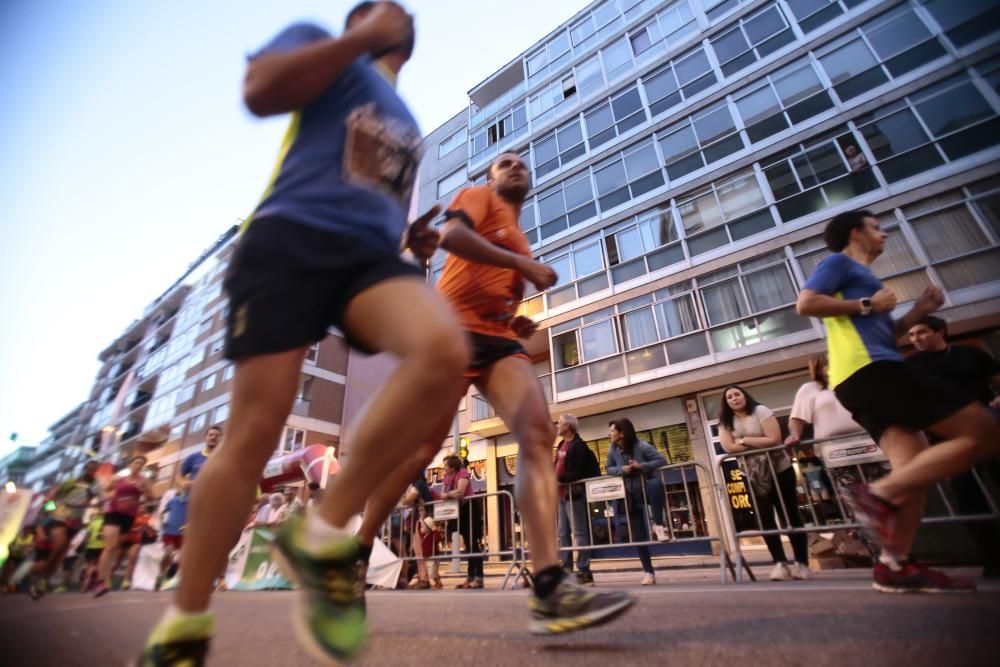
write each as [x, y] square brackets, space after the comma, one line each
[866, 306]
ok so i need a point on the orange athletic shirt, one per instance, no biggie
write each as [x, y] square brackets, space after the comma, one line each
[485, 297]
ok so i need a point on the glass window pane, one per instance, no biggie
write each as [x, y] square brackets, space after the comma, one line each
[607, 370]
[686, 349]
[730, 45]
[989, 207]
[641, 161]
[949, 233]
[968, 271]
[640, 328]
[724, 302]
[764, 25]
[588, 260]
[646, 360]
[610, 178]
[626, 104]
[848, 61]
[714, 124]
[569, 135]
[782, 180]
[954, 109]
[798, 84]
[537, 63]
[544, 150]
[692, 66]
[701, 213]
[740, 196]
[804, 8]
[660, 85]
[551, 206]
[561, 265]
[758, 105]
[598, 340]
[896, 33]
[527, 218]
[677, 316]
[678, 144]
[770, 288]
[599, 120]
[617, 58]
[894, 134]
[578, 192]
[657, 228]
[629, 244]
[565, 349]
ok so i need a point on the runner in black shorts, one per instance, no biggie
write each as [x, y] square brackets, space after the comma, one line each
[893, 403]
[321, 251]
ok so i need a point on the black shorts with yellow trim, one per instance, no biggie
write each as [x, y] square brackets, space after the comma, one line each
[288, 283]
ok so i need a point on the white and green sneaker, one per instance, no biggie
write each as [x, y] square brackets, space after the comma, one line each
[179, 642]
[330, 615]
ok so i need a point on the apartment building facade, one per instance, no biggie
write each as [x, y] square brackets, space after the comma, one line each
[685, 157]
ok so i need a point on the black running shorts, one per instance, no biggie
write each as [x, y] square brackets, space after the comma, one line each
[893, 393]
[288, 283]
[487, 350]
[123, 521]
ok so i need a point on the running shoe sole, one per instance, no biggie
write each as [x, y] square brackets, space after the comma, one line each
[558, 626]
[300, 622]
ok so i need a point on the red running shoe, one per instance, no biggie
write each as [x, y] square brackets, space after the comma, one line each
[939, 582]
[876, 515]
[907, 579]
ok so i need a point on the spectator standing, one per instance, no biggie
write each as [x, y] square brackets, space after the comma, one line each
[458, 485]
[634, 459]
[744, 425]
[574, 462]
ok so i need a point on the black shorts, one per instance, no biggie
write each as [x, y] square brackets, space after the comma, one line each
[487, 350]
[893, 393]
[123, 521]
[92, 555]
[72, 527]
[288, 283]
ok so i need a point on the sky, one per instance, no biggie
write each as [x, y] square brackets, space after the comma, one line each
[125, 152]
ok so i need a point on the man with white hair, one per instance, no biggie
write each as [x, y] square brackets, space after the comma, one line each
[574, 461]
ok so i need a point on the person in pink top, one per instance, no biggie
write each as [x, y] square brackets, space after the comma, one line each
[125, 496]
[458, 484]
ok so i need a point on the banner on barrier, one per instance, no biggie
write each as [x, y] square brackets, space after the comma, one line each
[13, 507]
[250, 565]
[607, 488]
[851, 452]
[446, 510]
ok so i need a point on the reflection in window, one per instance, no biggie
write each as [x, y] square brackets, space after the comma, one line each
[678, 80]
[750, 39]
[736, 202]
[964, 22]
[619, 115]
[699, 140]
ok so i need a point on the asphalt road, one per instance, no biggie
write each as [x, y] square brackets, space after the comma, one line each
[833, 620]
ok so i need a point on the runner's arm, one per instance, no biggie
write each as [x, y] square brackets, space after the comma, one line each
[280, 81]
[458, 239]
[931, 299]
[815, 304]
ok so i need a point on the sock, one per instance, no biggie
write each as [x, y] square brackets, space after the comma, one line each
[318, 533]
[894, 563]
[365, 552]
[547, 580]
[173, 613]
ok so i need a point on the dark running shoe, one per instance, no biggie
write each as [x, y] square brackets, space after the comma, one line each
[37, 587]
[939, 582]
[570, 607]
[907, 579]
[585, 577]
[179, 642]
[330, 615]
[876, 515]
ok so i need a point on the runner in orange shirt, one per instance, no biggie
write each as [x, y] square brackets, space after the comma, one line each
[483, 280]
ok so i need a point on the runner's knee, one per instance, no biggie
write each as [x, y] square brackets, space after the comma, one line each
[443, 351]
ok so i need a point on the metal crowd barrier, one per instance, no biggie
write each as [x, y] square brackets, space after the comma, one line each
[844, 460]
[467, 517]
[610, 499]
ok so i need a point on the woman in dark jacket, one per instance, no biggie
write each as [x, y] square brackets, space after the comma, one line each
[634, 459]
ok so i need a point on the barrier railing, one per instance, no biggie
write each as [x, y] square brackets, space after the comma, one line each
[464, 517]
[638, 512]
[762, 488]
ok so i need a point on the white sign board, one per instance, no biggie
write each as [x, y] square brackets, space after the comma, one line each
[605, 488]
[851, 452]
[446, 510]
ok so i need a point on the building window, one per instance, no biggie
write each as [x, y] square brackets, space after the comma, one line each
[726, 211]
[199, 422]
[811, 177]
[177, 432]
[221, 414]
[500, 132]
[451, 182]
[628, 175]
[550, 59]
[889, 46]
[811, 14]
[228, 372]
[699, 140]
[566, 205]
[292, 439]
[312, 354]
[589, 77]
[208, 382]
[619, 115]
[453, 142]
[964, 22]
[580, 269]
[617, 58]
[787, 97]
[218, 345]
[678, 80]
[716, 9]
[559, 148]
[586, 347]
[185, 393]
[946, 121]
[751, 39]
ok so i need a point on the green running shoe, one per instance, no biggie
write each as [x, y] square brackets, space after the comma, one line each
[572, 607]
[179, 642]
[330, 615]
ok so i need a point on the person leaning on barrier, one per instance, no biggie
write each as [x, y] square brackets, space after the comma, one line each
[816, 404]
[635, 460]
[574, 462]
[458, 485]
[744, 425]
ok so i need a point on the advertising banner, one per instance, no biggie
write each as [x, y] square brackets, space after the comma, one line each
[606, 488]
